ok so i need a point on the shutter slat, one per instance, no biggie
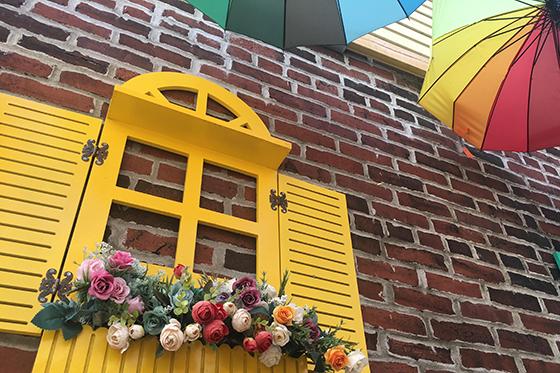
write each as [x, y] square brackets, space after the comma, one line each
[41, 180]
[316, 248]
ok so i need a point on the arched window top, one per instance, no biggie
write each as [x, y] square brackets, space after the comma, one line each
[142, 101]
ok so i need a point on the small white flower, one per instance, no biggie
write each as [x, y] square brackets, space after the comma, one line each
[226, 287]
[280, 301]
[230, 308]
[136, 331]
[269, 291]
[280, 334]
[271, 357]
[193, 332]
[357, 361]
[117, 337]
[241, 320]
[171, 337]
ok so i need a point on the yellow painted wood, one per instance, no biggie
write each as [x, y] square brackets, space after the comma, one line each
[316, 248]
[41, 180]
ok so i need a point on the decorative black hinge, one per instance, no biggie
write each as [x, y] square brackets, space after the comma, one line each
[100, 153]
[278, 200]
[50, 285]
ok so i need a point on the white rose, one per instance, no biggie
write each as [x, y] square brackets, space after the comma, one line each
[241, 320]
[230, 308]
[226, 287]
[298, 314]
[356, 362]
[269, 291]
[193, 332]
[117, 337]
[136, 331]
[175, 322]
[271, 357]
[280, 334]
[171, 337]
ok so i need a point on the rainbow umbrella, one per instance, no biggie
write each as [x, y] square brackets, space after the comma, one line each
[294, 23]
[495, 72]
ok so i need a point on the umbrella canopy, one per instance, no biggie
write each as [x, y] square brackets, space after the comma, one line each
[495, 72]
[294, 23]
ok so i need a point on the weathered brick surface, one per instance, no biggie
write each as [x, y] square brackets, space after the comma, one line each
[454, 255]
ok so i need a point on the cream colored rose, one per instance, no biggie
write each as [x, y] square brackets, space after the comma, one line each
[117, 337]
[175, 322]
[241, 320]
[298, 314]
[230, 308]
[193, 332]
[280, 334]
[171, 337]
[136, 331]
[271, 357]
[270, 291]
[356, 362]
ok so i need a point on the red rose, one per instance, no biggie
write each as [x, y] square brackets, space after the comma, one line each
[204, 312]
[178, 270]
[264, 340]
[215, 331]
[250, 345]
[221, 314]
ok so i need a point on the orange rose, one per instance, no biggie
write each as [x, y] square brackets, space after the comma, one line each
[284, 315]
[336, 357]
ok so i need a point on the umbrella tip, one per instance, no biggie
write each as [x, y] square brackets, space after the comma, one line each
[553, 7]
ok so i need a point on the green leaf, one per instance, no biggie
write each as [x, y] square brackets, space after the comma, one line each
[51, 317]
[259, 311]
[159, 350]
[71, 330]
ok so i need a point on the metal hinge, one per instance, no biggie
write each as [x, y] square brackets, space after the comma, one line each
[100, 153]
[278, 200]
[52, 285]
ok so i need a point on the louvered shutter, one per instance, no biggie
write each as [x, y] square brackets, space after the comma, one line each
[41, 181]
[316, 248]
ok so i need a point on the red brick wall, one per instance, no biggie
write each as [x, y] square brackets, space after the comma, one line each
[454, 255]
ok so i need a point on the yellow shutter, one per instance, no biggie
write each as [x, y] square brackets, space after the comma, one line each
[41, 181]
[316, 248]
[89, 353]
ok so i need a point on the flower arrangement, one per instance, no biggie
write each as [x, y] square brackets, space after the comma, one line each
[112, 289]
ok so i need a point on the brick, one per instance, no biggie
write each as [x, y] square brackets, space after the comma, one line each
[257, 48]
[478, 191]
[513, 299]
[391, 367]
[389, 212]
[393, 321]
[432, 241]
[479, 359]
[363, 187]
[297, 102]
[153, 243]
[136, 164]
[516, 205]
[459, 159]
[72, 58]
[305, 169]
[16, 360]
[159, 190]
[328, 100]
[334, 160]
[86, 83]
[239, 54]
[327, 126]
[357, 204]
[353, 97]
[303, 78]
[437, 164]
[499, 213]
[113, 19]
[502, 174]
[519, 169]
[364, 154]
[303, 134]
[71, 20]
[380, 175]
[466, 332]
[371, 290]
[430, 135]
[524, 342]
[480, 179]
[423, 302]
[541, 366]
[523, 192]
[171, 174]
[416, 256]
[4, 32]
[410, 141]
[478, 221]
[24, 64]
[269, 66]
[459, 199]
[191, 23]
[422, 173]
[221, 187]
[400, 233]
[532, 283]
[155, 51]
[241, 262]
[193, 49]
[366, 244]
[528, 236]
[260, 75]
[512, 262]
[454, 230]
[384, 146]
[374, 117]
[451, 285]
[486, 312]
[387, 271]
[58, 96]
[25, 22]
[119, 54]
[457, 247]
[411, 96]
[512, 247]
[540, 324]
[218, 235]
[136, 13]
[343, 69]
[315, 70]
[418, 351]
[123, 74]
[203, 254]
[477, 271]
[424, 205]
[368, 67]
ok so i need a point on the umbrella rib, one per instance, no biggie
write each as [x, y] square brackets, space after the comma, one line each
[403, 9]
[463, 55]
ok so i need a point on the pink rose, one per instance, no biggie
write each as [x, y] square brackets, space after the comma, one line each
[178, 271]
[221, 313]
[244, 282]
[250, 345]
[121, 260]
[264, 341]
[204, 312]
[135, 304]
[215, 331]
[102, 285]
[120, 290]
[88, 268]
